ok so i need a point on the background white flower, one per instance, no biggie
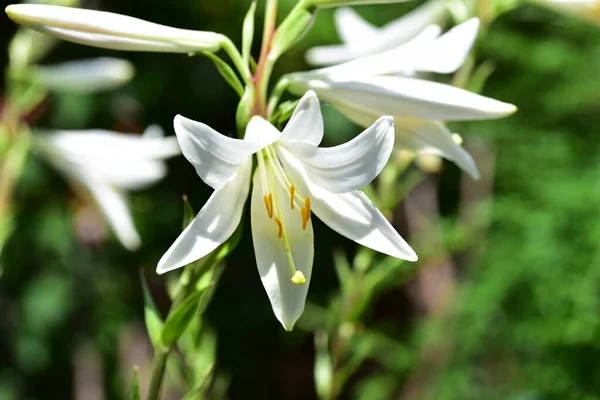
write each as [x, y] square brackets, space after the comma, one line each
[107, 164]
[361, 38]
[388, 84]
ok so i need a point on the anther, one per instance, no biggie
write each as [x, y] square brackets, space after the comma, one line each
[269, 204]
[307, 205]
[292, 192]
[279, 227]
[299, 278]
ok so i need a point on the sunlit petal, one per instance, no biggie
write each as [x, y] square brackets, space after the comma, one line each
[213, 225]
[287, 298]
[216, 157]
[306, 124]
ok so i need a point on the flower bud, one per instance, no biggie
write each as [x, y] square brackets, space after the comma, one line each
[111, 31]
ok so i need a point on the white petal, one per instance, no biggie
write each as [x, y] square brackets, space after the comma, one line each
[409, 97]
[447, 53]
[85, 76]
[352, 165]
[350, 214]
[328, 55]
[216, 157]
[411, 25]
[111, 31]
[261, 132]
[352, 28]
[107, 144]
[287, 298]
[113, 204]
[355, 217]
[306, 124]
[432, 137]
[213, 225]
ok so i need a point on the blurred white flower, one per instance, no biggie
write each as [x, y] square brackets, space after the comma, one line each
[360, 38]
[107, 164]
[385, 84]
[84, 76]
[111, 31]
[587, 9]
[294, 178]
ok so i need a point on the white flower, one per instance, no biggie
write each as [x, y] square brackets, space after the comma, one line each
[84, 76]
[385, 84]
[360, 38]
[111, 31]
[587, 9]
[107, 164]
[294, 178]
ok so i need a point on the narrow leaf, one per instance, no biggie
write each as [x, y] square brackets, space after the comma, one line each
[188, 212]
[180, 317]
[154, 323]
[134, 386]
[227, 73]
[248, 33]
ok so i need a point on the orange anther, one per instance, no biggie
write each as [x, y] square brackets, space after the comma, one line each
[279, 227]
[269, 204]
[292, 192]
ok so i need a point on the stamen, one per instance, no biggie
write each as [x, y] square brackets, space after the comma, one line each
[279, 227]
[305, 211]
[299, 278]
[292, 191]
[307, 205]
[269, 204]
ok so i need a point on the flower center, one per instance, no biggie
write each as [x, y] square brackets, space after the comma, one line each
[272, 174]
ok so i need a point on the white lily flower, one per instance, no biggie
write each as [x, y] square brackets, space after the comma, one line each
[85, 76]
[360, 38]
[366, 88]
[294, 178]
[111, 31]
[587, 9]
[107, 164]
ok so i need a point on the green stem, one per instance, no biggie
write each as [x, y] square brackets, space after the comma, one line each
[237, 58]
[158, 370]
[278, 91]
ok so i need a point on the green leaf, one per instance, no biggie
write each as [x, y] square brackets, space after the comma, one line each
[154, 323]
[291, 30]
[227, 73]
[134, 386]
[248, 33]
[180, 317]
[343, 270]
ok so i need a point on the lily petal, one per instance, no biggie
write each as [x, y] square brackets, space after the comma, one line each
[352, 165]
[350, 214]
[433, 137]
[306, 123]
[448, 52]
[287, 298]
[213, 225]
[113, 204]
[352, 28]
[409, 97]
[216, 157]
[109, 30]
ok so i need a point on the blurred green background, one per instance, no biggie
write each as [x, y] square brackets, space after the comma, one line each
[519, 254]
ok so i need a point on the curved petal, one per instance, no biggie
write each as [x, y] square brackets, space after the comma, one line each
[287, 298]
[306, 123]
[448, 52]
[350, 214]
[352, 28]
[409, 26]
[261, 132]
[408, 97]
[216, 157]
[432, 137]
[109, 30]
[113, 204]
[213, 225]
[352, 165]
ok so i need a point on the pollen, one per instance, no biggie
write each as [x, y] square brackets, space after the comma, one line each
[305, 211]
[299, 278]
[292, 192]
[279, 227]
[269, 204]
